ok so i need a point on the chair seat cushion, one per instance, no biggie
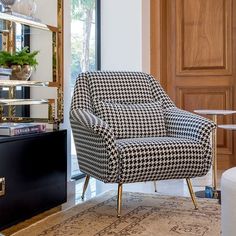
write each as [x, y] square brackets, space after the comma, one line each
[133, 120]
[159, 158]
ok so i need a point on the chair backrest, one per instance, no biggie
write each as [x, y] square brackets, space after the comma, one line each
[121, 87]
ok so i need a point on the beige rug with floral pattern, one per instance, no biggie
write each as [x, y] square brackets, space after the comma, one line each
[142, 214]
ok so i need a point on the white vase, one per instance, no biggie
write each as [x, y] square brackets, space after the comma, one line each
[25, 7]
[7, 5]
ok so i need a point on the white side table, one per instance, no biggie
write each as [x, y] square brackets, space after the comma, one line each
[214, 114]
[228, 127]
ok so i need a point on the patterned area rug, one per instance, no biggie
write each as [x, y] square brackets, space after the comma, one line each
[143, 214]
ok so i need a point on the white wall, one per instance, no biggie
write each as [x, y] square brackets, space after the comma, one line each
[67, 79]
[125, 35]
[67, 100]
[146, 36]
[41, 40]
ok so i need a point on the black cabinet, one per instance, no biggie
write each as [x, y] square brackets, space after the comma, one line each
[34, 168]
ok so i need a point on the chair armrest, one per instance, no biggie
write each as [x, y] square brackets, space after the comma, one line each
[95, 145]
[91, 121]
[183, 124]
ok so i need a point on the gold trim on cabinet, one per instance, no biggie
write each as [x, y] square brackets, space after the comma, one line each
[2, 186]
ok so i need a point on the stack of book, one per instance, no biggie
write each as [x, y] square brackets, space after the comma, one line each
[14, 129]
[5, 73]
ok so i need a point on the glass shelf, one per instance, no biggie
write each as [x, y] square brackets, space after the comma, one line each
[16, 102]
[23, 119]
[4, 31]
[12, 30]
[25, 21]
[14, 83]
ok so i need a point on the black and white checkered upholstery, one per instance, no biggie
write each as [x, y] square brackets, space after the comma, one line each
[133, 120]
[101, 100]
[120, 87]
[159, 158]
[95, 146]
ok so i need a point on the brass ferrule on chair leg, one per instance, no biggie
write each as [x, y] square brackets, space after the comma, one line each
[192, 194]
[119, 200]
[85, 186]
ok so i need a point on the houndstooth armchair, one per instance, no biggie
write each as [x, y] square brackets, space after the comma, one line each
[126, 129]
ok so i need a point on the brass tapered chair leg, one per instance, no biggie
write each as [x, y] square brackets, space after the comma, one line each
[192, 194]
[85, 186]
[119, 200]
[155, 185]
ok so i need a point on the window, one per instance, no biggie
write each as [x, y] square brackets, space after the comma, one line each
[85, 47]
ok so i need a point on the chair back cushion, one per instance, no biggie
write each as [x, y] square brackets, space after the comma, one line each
[133, 120]
[121, 87]
[81, 98]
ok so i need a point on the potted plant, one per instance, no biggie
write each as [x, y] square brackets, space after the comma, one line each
[21, 62]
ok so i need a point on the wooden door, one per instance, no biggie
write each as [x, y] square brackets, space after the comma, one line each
[193, 43]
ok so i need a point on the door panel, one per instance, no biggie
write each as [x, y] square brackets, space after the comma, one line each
[203, 37]
[209, 98]
[199, 50]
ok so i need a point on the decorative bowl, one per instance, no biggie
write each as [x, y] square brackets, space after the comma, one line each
[21, 72]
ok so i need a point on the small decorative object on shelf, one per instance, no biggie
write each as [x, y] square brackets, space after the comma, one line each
[21, 72]
[7, 5]
[21, 63]
[25, 7]
[14, 129]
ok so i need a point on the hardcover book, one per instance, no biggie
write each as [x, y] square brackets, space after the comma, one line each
[14, 129]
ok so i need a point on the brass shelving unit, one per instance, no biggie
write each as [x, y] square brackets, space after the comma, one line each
[55, 106]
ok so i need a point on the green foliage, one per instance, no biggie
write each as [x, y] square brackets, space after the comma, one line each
[22, 57]
[79, 13]
[79, 8]
[76, 54]
[5, 58]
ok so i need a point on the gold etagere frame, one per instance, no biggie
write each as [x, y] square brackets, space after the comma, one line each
[55, 107]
